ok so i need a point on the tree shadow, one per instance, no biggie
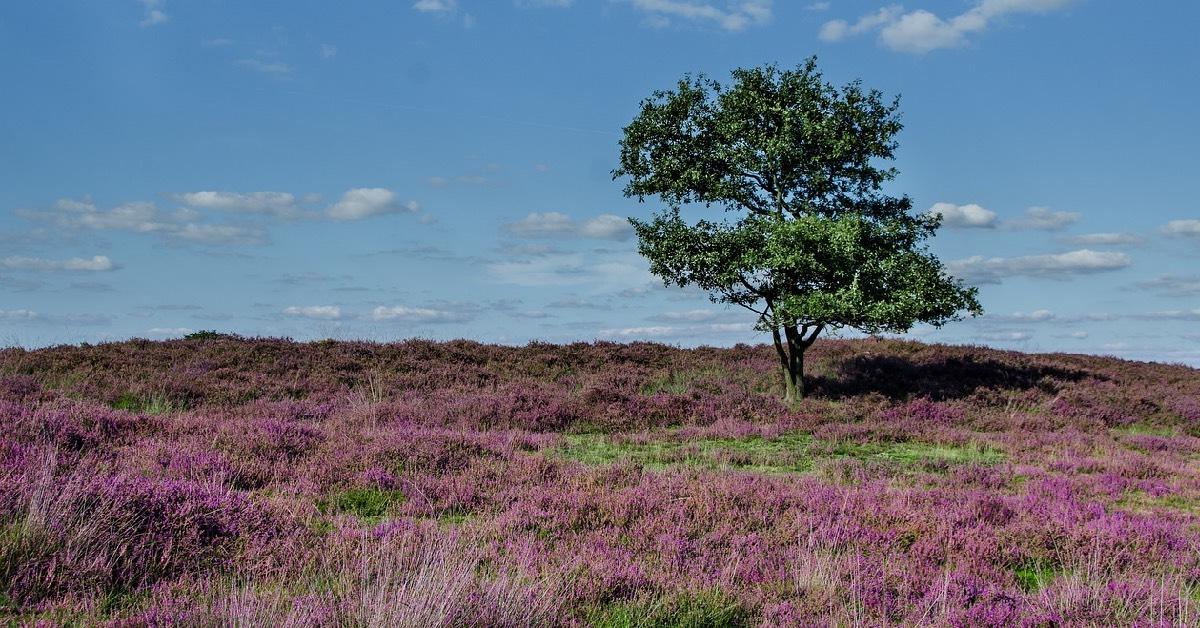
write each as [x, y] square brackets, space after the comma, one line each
[942, 379]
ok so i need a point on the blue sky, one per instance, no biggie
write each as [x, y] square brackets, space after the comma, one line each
[440, 168]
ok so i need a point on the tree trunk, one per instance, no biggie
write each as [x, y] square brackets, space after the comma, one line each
[791, 392]
[790, 347]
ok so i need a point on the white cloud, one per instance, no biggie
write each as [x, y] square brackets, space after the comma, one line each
[1036, 316]
[18, 315]
[29, 316]
[817, 6]
[701, 333]
[444, 9]
[1172, 315]
[142, 217]
[692, 316]
[920, 31]
[837, 30]
[1173, 285]
[169, 331]
[1042, 219]
[1186, 228]
[359, 203]
[597, 272]
[1046, 316]
[406, 314]
[219, 234]
[969, 216]
[436, 6]
[1104, 239]
[98, 263]
[555, 224]
[319, 312]
[272, 68]
[328, 51]
[153, 13]
[557, 4]
[281, 204]
[625, 332]
[736, 15]
[1006, 336]
[981, 270]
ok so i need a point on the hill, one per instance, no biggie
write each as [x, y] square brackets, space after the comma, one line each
[263, 481]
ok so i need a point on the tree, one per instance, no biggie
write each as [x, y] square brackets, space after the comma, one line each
[809, 242]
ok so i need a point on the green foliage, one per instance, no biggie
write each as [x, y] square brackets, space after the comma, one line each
[369, 504]
[709, 608]
[810, 241]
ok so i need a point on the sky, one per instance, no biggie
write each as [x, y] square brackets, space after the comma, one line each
[441, 168]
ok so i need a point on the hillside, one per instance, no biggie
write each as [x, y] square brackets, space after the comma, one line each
[264, 481]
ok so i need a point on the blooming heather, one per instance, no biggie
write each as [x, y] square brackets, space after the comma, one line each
[223, 480]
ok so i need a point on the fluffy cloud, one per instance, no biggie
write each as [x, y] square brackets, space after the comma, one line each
[558, 225]
[169, 331]
[1104, 239]
[1184, 228]
[436, 6]
[626, 332]
[1006, 336]
[837, 30]
[920, 31]
[1173, 285]
[1046, 316]
[29, 316]
[406, 314]
[318, 312]
[598, 273]
[1042, 219]
[17, 315]
[736, 15]
[359, 203]
[281, 204]
[142, 217]
[964, 216]
[1172, 315]
[153, 14]
[692, 316]
[981, 270]
[98, 263]
[702, 333]
[269, 67]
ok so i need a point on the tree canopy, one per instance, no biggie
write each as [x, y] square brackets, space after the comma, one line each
[810, 241]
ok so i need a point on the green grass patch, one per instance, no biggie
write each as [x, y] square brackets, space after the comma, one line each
[785, 454]
[1142, 502]
[154, 404]
[915, 453]
[682, 382]
[789, 453]
[1033, 576]
[1144, 429]
[371, 505]
[711, 607]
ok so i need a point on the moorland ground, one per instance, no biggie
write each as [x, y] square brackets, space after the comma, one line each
[221, 480]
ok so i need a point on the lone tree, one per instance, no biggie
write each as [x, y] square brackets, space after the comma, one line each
[809, 240]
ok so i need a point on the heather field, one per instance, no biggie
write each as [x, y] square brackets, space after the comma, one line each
[228, 481]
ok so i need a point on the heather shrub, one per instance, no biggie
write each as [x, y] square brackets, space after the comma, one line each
[426, 483]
